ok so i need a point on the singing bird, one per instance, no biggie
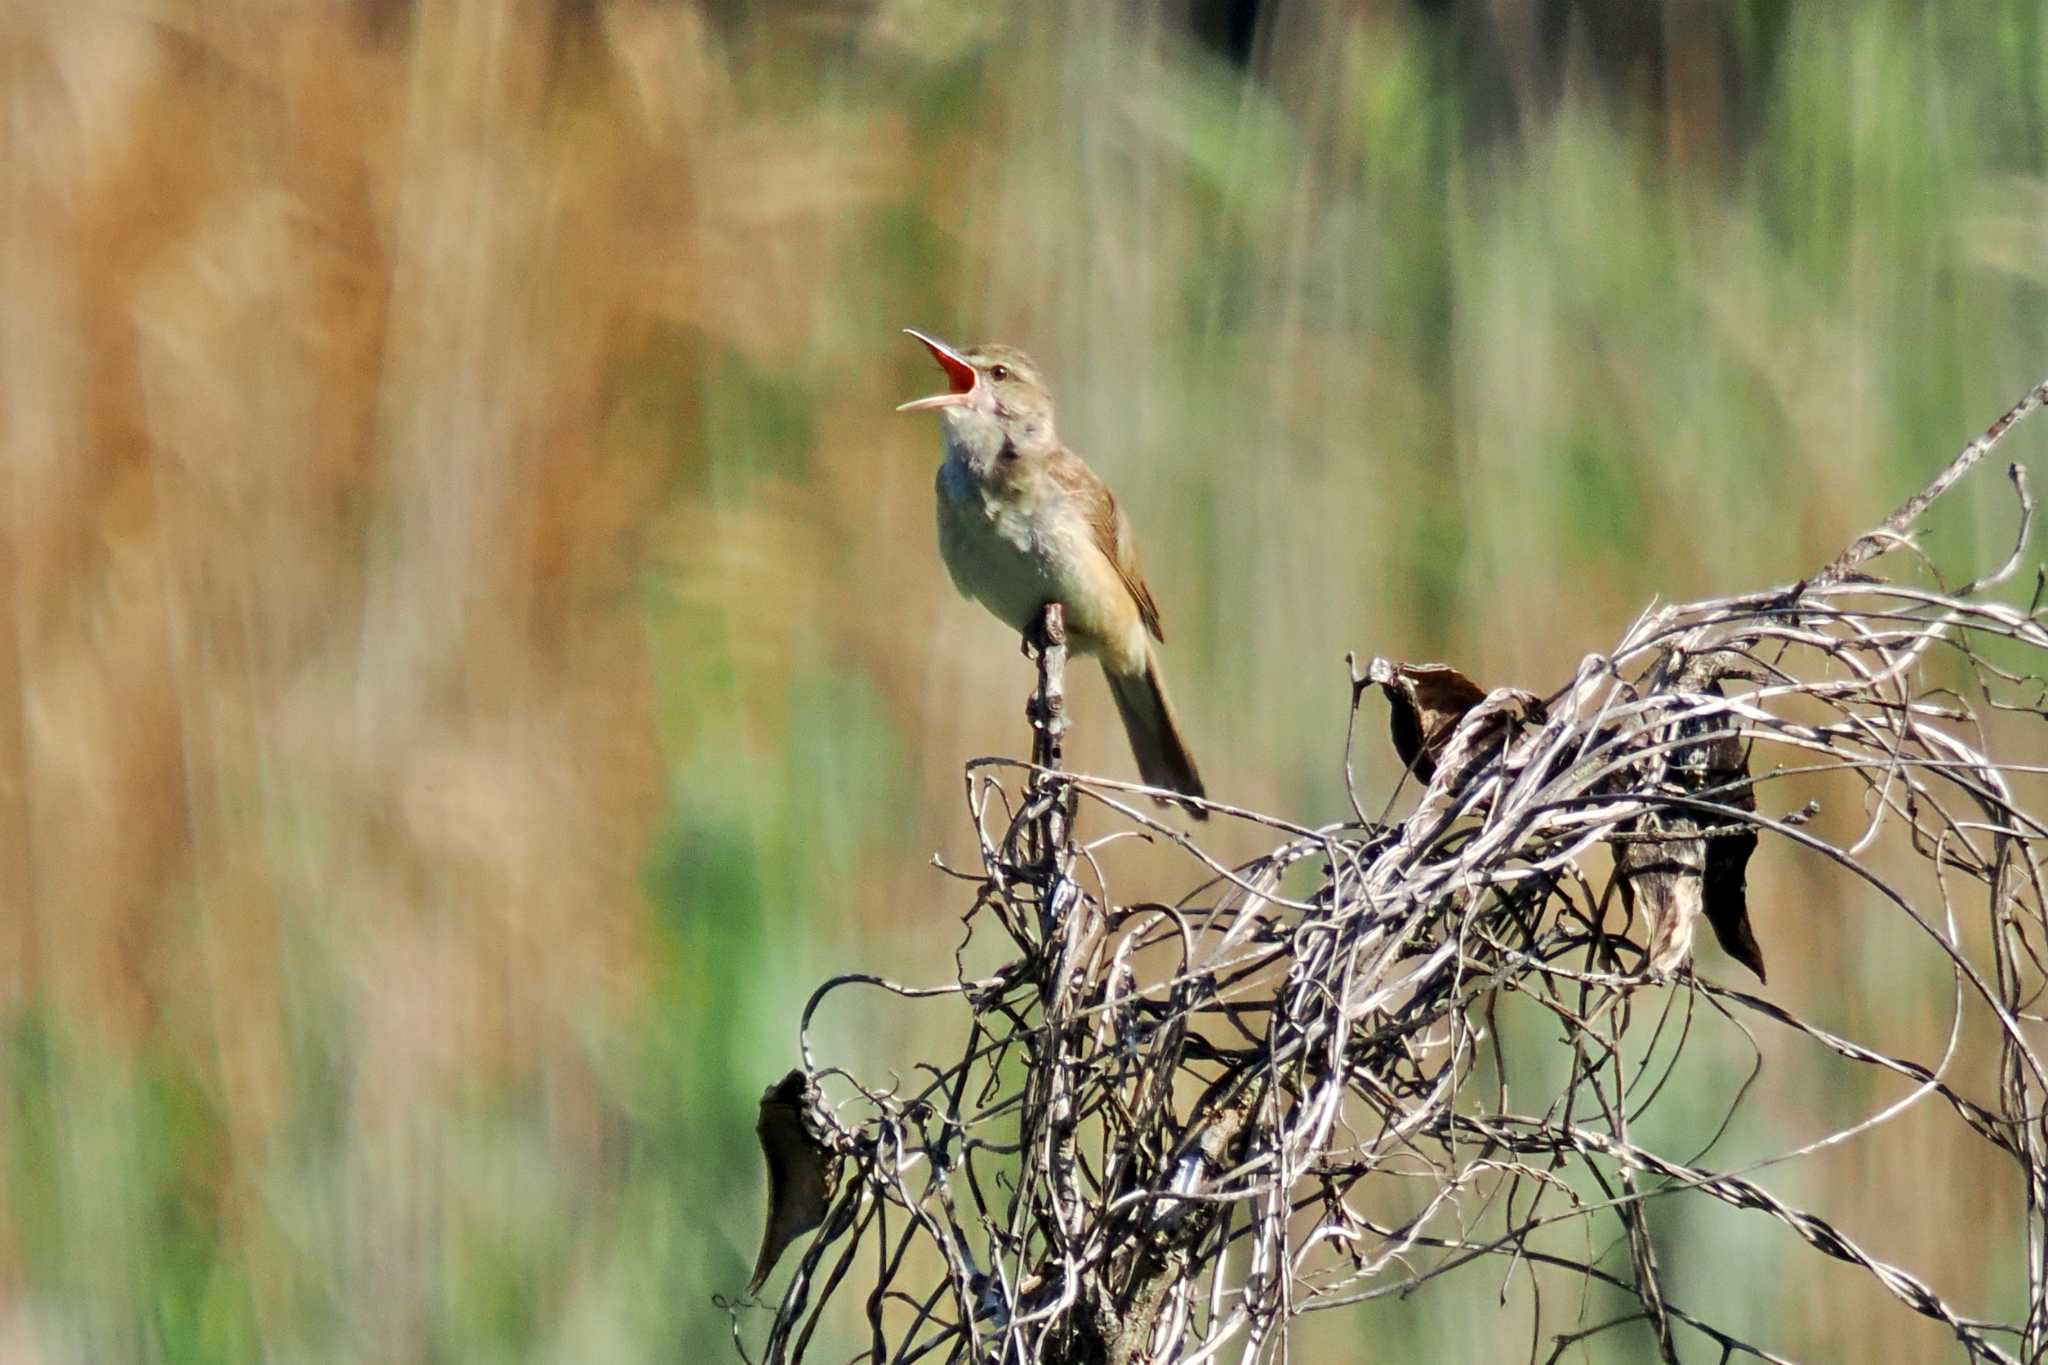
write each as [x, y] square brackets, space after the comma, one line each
[1023, 522]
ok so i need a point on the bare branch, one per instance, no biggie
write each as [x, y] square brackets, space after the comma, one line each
[1169, 1129]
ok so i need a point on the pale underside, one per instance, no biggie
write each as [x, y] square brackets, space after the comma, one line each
[1015, 556]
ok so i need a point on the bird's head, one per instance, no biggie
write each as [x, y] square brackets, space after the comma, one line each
[994, 402]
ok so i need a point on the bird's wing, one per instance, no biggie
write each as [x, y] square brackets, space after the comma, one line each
[1112, 532]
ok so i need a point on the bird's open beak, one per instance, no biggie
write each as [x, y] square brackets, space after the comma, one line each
[960, 377]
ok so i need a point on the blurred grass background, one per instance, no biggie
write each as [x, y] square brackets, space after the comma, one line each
[478, 654]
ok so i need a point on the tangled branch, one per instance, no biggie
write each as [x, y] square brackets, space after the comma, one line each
[1171, 1129]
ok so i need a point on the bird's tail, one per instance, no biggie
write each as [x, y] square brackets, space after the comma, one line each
[1163, 757]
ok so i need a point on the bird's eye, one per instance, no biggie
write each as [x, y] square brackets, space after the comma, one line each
[999, 372]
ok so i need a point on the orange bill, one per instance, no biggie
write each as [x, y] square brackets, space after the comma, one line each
[960, 376]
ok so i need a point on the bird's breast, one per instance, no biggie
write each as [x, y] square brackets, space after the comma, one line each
[993, 547]
[1015, 549]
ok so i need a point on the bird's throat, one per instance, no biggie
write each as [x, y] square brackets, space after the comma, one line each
[976, 440]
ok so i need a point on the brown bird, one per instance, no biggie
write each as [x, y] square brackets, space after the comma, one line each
[1023, 522]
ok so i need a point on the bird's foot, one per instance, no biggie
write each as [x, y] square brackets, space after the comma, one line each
[1047, 628]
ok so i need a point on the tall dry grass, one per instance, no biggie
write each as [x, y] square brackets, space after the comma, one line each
[477, 651]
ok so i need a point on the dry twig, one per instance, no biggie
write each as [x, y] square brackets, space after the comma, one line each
[1169, 1130]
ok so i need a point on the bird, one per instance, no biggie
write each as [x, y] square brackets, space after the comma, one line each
[1023, 522]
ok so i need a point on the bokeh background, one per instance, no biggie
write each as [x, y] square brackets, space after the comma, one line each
[477, 654]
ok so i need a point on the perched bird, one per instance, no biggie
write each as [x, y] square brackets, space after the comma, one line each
[1023, 522]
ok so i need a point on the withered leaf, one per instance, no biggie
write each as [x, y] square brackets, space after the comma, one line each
[1726, 881]
[1661, 869]
[1481, 733]
[1727, 897]
[1674, 865]
[803, 1168]
[1427, 701]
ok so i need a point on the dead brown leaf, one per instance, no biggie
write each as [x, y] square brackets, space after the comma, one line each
[1427, 701]
[803, 1169]
[1439, 717]
[1674, 865]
